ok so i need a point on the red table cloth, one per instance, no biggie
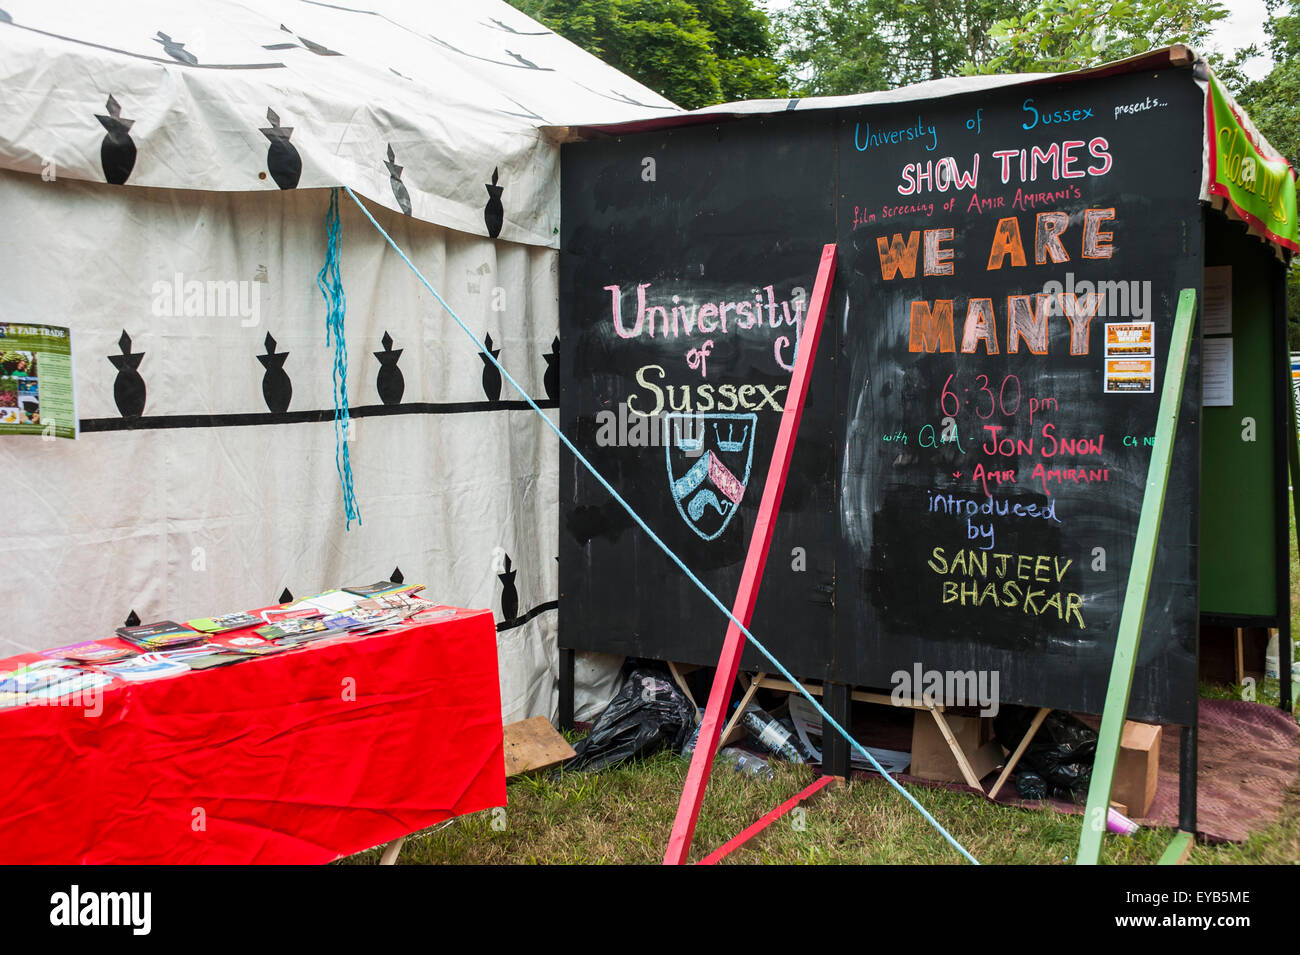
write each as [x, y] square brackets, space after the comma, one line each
[299, 757]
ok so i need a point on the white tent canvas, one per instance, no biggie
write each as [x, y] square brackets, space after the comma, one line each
[163, 171]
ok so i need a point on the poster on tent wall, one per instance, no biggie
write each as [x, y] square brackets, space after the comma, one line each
[37, 392]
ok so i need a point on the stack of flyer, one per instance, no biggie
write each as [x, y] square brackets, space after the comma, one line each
[155, 650]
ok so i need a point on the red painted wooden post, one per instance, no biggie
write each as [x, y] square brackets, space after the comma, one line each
[697, 778]
[735, 842]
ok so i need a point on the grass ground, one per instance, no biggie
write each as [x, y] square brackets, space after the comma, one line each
[624, 815]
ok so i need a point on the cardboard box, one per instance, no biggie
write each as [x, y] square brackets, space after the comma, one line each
[1137, 769]
[933, 759]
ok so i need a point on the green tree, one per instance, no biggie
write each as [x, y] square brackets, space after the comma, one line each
[694, 52]
[856, 46]
[1059, 35]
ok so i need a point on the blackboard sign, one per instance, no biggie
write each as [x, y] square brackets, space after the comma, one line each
[1011, 289]
[968, 478]
[685, 278]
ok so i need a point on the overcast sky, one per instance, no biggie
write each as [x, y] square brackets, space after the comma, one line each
[1245, 25]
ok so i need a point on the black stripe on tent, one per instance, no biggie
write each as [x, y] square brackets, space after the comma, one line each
[520, 621]
[161, 422]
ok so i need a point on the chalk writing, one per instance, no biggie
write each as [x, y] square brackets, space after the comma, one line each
[1048, 118]
[1009, 580]
[695, 399]
[938, 175]
[1008, 407]
[864, 139]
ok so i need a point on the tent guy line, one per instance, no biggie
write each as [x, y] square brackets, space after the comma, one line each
[168, 61]
[827, 719]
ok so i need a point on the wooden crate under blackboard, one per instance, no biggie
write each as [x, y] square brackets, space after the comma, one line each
[933, 759]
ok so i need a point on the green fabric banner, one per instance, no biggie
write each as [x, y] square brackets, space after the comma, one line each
[1260, 188]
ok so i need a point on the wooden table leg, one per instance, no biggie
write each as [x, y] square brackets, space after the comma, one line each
[1020, 750]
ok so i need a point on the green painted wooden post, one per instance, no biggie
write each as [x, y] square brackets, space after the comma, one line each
[1178, 846]
[1139, 584]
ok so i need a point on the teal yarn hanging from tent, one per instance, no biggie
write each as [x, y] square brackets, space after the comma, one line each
[330, 280]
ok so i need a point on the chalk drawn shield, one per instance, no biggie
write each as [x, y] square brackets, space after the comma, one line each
[709, 458]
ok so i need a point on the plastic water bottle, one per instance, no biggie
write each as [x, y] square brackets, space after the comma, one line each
[688, 748]
[743, 762]
[771, 735]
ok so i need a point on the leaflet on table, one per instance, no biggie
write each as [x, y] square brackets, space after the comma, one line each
[404, 604]
[294, 627]
[93, 651]
[224, 623]
[214, 660]
[341, 601]
[331, 601]
[37, 385]
[159, 636]
[147, 666]
[46, 680]
[152, 666]
[246, 644]
[440, 612]
[369, 590]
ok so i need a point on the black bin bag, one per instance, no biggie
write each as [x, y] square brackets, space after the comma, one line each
[1061, 753]
[648, 712]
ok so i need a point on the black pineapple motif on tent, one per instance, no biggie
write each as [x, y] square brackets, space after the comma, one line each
[396, 576]
[509, 595]
[117, 152]
[132, 620]
[494, 214]
[282, 159]
[551, 380]
[176, 50]
[395, 180]
[491, 376]
[389, 382]
[285, 596]
[128, 387]
[277, 389]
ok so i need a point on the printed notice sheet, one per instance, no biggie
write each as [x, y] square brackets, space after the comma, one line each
[1217, 311]
[37, 394]
[1216, 372]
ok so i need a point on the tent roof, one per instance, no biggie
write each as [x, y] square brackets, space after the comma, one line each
[455, 90]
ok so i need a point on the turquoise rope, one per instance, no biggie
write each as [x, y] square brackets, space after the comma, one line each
[826, 717]
[330, 281]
